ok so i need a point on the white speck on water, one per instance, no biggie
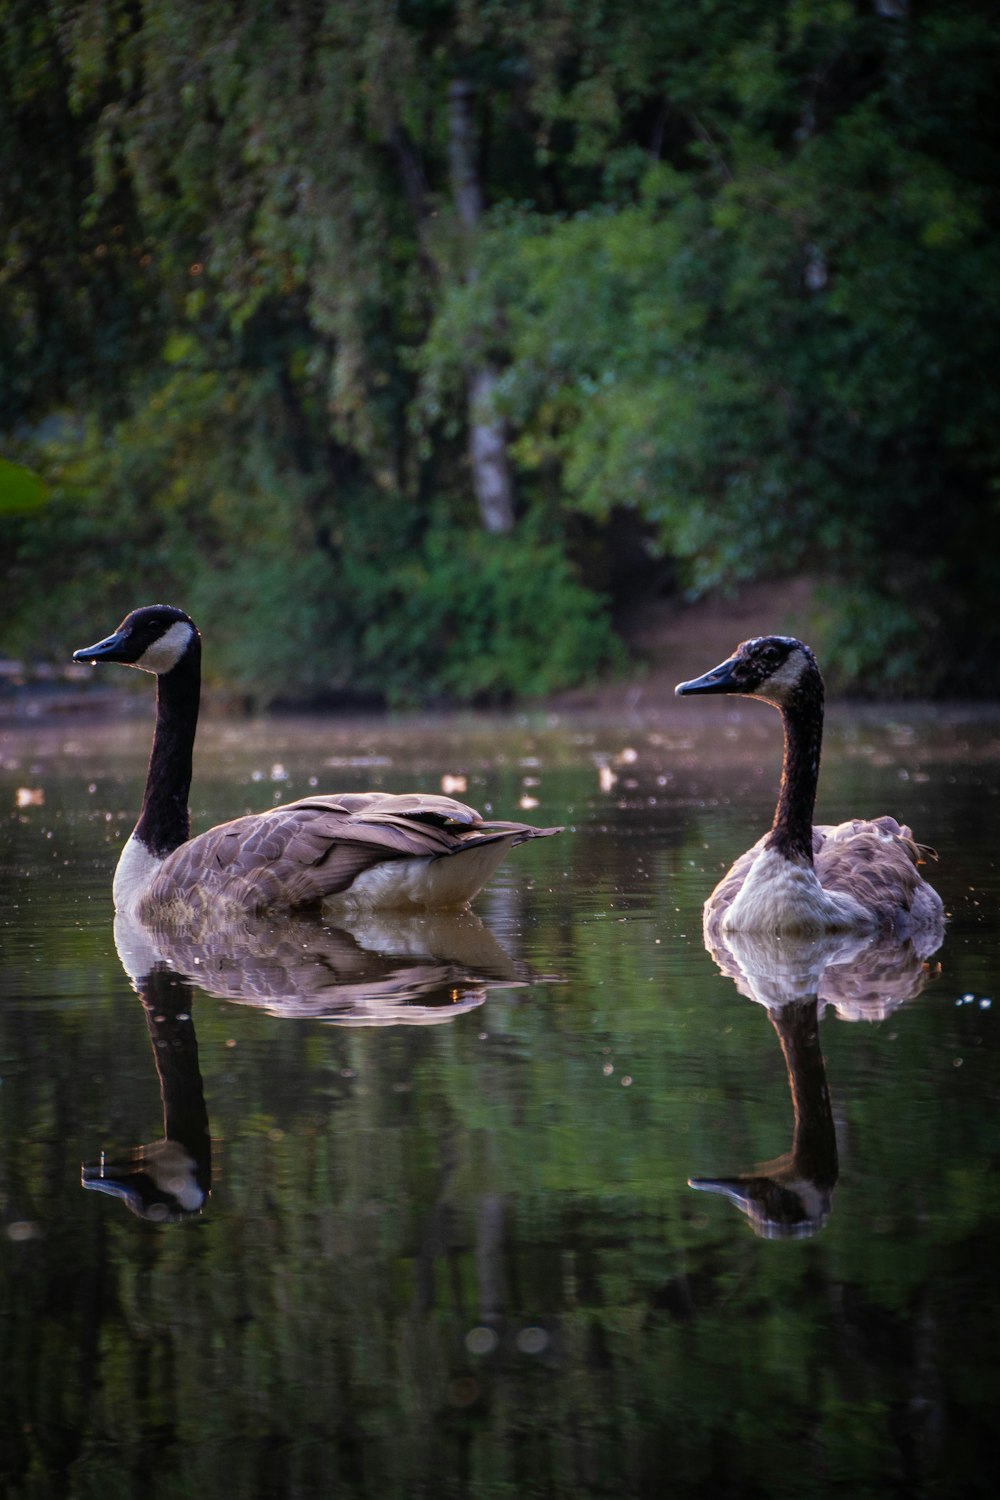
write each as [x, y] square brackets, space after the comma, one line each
[481, 1340]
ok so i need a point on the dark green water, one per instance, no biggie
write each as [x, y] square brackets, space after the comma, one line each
[449, 1246]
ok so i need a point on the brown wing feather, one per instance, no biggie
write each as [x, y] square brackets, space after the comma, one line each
[874, 860]
[304, 852]
[419, 806]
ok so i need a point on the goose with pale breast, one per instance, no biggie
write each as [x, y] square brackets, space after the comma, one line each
[858, 876]
[366, 849]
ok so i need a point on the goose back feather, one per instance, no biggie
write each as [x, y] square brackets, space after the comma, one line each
[360, 848]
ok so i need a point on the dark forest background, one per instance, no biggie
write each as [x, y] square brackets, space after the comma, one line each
[405, 344]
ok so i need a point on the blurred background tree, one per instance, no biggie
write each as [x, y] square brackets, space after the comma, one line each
[709, 291]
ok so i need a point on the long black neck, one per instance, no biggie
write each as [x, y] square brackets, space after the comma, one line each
[165, 822]
[802, 715]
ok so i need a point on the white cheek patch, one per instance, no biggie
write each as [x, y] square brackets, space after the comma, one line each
[783, 679]
[165, 653]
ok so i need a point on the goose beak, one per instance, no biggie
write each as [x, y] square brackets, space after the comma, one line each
[110, 649]
[719, 680]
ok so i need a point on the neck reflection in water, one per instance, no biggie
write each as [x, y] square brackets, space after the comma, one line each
[166, 1181]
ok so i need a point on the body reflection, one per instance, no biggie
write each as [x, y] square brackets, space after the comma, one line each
[368, 970]
[796, 979]
[378, 971]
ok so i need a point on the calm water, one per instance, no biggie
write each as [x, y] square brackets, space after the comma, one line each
[447, 1244]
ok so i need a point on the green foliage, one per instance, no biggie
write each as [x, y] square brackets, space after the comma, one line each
[766, 350]
[472, 617]
[738, 273]
[197, 499]
[20, 489]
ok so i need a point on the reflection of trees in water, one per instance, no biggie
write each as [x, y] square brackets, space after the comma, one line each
[385, 1335]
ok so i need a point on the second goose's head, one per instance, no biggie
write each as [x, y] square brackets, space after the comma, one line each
[777, 668]
[154, 639]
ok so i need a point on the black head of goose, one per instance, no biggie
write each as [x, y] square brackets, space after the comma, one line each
[369, 849]
[856, 876]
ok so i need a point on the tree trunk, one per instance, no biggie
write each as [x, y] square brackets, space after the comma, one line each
[492, 478]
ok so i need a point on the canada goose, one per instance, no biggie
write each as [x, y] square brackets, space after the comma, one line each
[368, 849]
[853, 877]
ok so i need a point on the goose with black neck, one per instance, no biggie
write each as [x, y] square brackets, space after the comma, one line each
[858, 876]
[372, 850]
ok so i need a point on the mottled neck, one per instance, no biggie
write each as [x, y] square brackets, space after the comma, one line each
[791, 831]
[164, 822]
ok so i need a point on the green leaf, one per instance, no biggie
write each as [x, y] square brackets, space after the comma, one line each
[20, 489]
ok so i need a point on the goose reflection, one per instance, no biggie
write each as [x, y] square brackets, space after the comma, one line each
[378, 971]
[367, 970]
[796, 979]
[168, 1180]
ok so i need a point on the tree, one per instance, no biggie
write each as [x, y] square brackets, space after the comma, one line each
[491, 471]
[728, 270]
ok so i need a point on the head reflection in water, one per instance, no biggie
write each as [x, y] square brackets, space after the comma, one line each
[795, 979]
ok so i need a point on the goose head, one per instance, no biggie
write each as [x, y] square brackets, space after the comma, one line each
[777, 668]
[154, 639]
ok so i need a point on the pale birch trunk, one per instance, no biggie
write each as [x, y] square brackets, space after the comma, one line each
[489, 459]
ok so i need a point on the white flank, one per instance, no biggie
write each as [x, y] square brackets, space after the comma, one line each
[136, 868]
[779, 895]
[450, 881]
[165, 653]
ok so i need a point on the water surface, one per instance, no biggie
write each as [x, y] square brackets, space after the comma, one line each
[439, 1238]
